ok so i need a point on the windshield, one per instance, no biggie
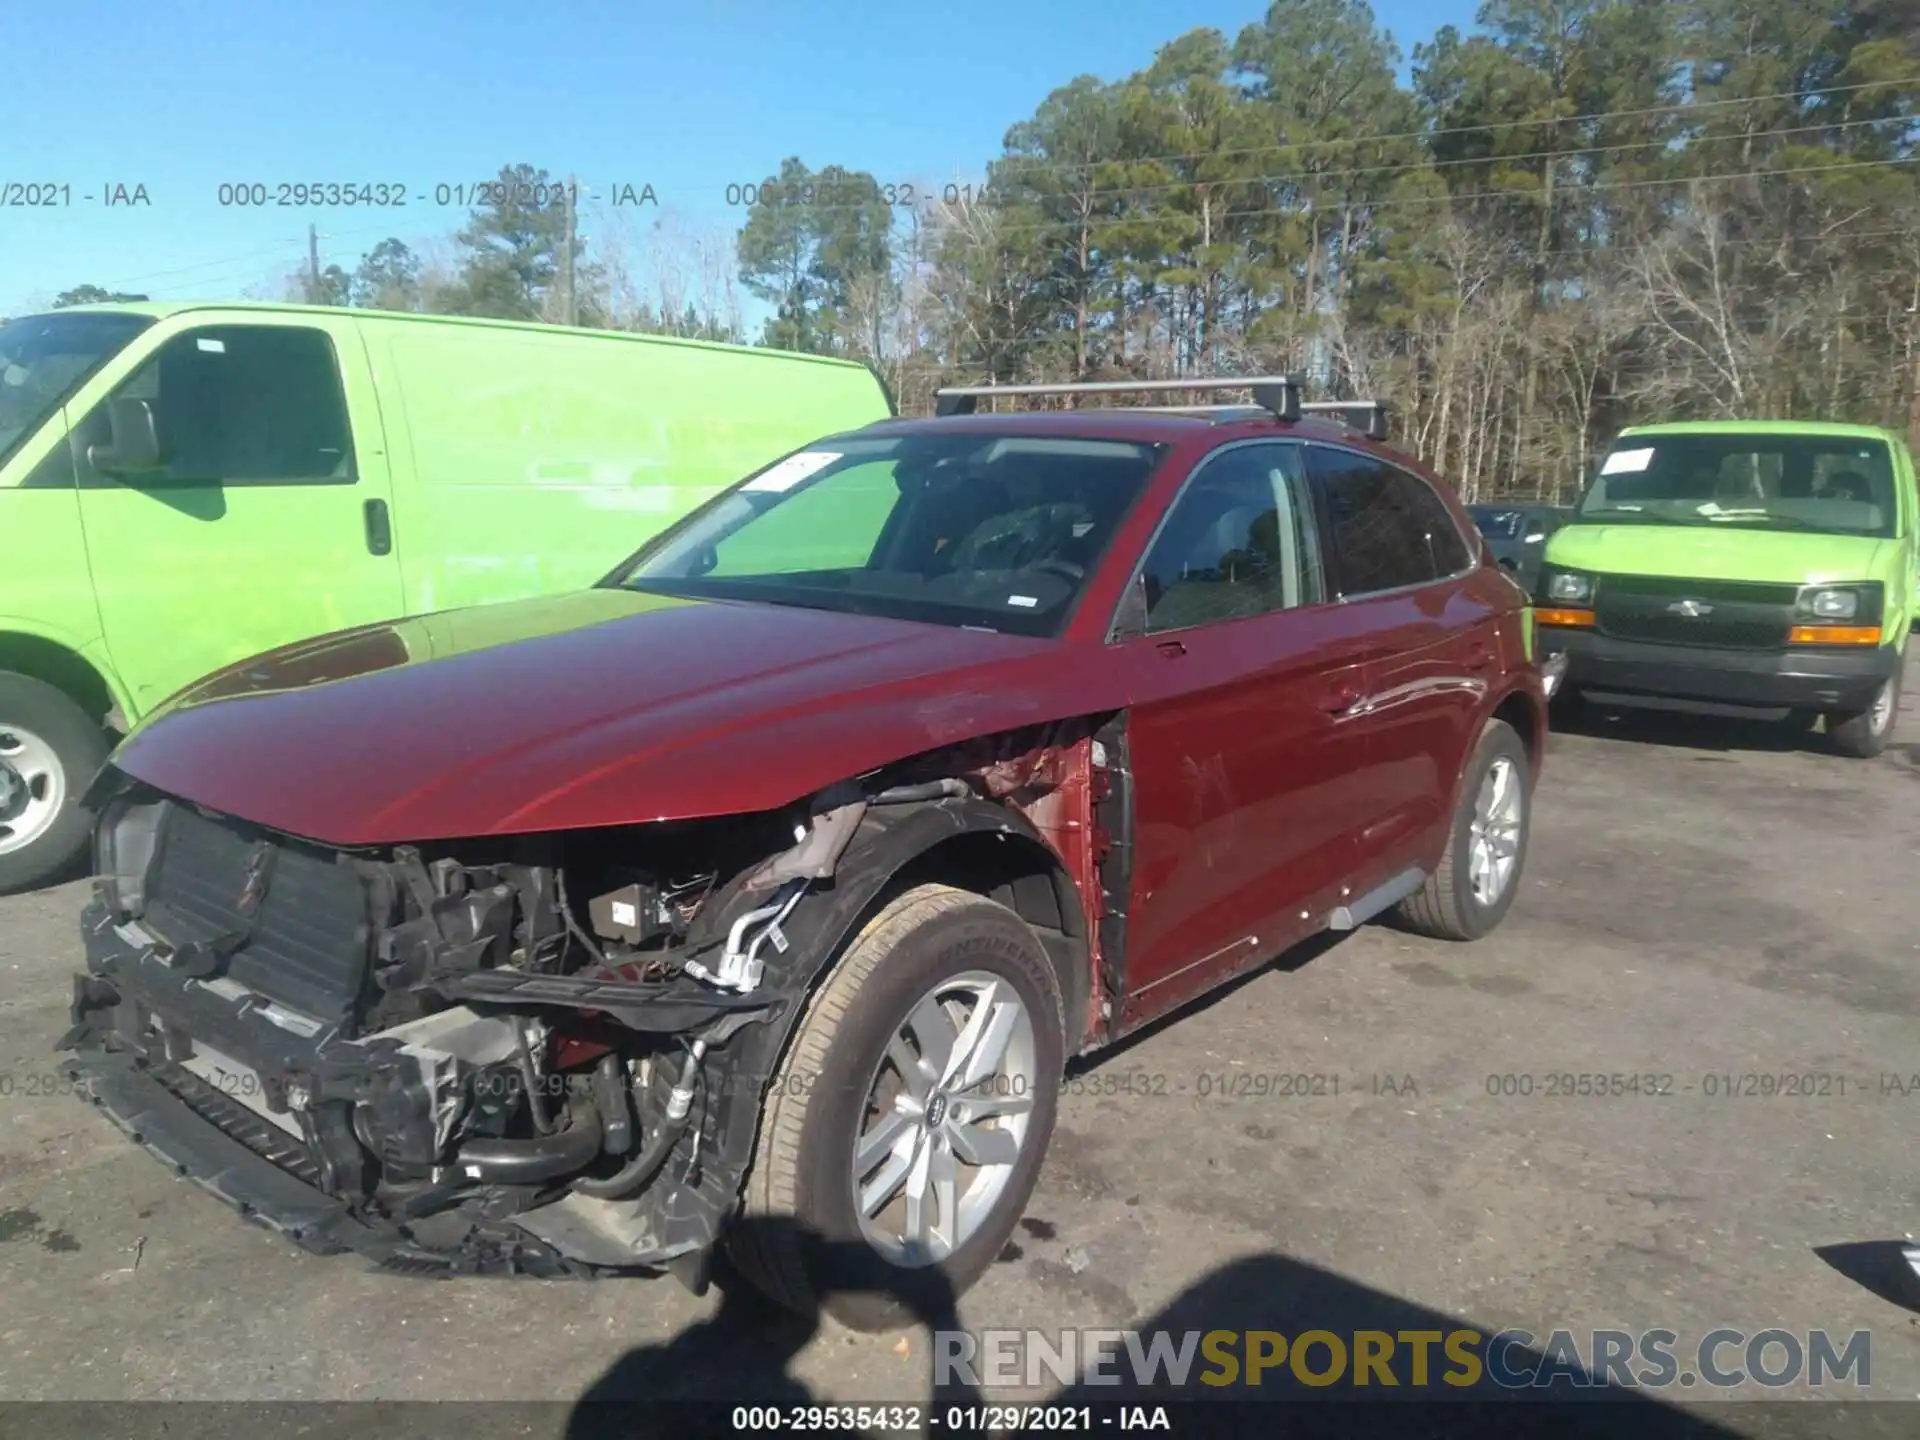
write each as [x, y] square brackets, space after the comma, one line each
[1821, 484]
[45, 358]
[997, 532]
[1496, 523]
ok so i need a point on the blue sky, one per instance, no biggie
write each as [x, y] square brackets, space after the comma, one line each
[183, 96]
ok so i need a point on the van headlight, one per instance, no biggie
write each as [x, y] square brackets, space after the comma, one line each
[1570, 587]
[1830, 602]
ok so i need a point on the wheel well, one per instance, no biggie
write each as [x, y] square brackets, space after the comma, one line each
[53, 664]
[1028, 879]
[1518, 711]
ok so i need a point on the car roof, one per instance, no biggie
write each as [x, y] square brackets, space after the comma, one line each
[167, 309]
[1136, 424]
[1827, 428]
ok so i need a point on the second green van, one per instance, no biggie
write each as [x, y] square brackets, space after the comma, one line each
[184, 486]
[1741, 567]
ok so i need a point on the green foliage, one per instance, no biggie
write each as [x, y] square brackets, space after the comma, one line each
[93, 295]
[814, 246]
[388, 278]
[514, 247]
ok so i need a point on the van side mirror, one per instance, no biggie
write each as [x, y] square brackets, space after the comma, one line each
[134, 448]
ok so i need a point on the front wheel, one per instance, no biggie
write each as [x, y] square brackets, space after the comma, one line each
[49, 751]
[904, 1130]
[1473, 887]
[1863, 734]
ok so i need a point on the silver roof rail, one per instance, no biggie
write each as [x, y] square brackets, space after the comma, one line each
[1369, 417]
[1277, 394]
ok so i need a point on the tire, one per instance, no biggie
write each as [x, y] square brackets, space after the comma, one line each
[1447, 906]
[1864, 734]
[800, 1239]
[48, 739]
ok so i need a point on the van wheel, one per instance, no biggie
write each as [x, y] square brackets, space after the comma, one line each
[1863, 734]
[49, 752]
[903, 1133]
[1479, 872]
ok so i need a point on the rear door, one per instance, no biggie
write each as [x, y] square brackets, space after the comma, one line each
[1242, 749]
[267, 517]
[1401, 565]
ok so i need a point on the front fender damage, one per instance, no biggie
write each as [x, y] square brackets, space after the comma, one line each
[570, 1037]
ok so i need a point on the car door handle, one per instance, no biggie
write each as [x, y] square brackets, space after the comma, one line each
[379, 527]
[1343, 699]
[1171, 648]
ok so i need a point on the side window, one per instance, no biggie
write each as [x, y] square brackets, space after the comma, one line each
[1389, 528]
[236, 405]
[1239, 541]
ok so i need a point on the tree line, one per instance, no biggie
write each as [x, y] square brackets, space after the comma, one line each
[1585, 214]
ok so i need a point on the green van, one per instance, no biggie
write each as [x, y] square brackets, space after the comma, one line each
[1741, 567]
[182, 486]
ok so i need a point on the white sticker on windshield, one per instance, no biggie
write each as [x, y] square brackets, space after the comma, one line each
[791, 471]
[1025, 601]
[212, 347]
[1627, 462]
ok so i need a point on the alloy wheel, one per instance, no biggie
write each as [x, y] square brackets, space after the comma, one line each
[945, 1119]
[1494, 832]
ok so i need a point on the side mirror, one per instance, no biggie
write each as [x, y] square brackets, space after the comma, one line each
[135, 445]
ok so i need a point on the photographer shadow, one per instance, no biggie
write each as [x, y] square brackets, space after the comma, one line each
[1276, 1293]
[743, 1353]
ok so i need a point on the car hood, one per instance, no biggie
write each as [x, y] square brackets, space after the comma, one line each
[1698, 552]
[603, 707]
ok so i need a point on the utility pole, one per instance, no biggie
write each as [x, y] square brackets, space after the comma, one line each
[313, 264]
[569, 311]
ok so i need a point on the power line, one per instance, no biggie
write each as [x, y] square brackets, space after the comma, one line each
[1419, 166]
[1433, 132]
[1387, 202]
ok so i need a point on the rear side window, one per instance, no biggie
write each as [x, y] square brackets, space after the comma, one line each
[240, 405]
[1389, 528]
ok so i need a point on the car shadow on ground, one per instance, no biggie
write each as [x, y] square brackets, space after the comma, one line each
[743, 1354]
[1682, 731]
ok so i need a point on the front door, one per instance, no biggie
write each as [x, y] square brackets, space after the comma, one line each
[1239, 734]
[260, 517]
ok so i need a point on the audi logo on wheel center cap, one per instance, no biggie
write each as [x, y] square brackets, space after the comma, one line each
[936, 1112]
[1692, 609]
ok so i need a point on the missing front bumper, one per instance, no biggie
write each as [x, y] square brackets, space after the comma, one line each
[146, 1104]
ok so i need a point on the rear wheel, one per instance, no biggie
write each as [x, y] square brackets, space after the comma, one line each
[904, 1130]
[1863, 734]
[49, 751]
[1473, 887]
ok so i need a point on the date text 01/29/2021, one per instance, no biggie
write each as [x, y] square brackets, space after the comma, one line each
[977, 1419]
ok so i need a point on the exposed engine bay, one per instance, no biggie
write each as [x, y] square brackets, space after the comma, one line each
[540, 1054]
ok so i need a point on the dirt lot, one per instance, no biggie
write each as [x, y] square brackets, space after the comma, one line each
[1701, 900]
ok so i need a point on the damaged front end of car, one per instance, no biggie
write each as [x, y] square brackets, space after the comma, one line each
[540, 1054]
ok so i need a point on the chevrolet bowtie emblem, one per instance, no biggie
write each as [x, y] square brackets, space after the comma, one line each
[1692, 609]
